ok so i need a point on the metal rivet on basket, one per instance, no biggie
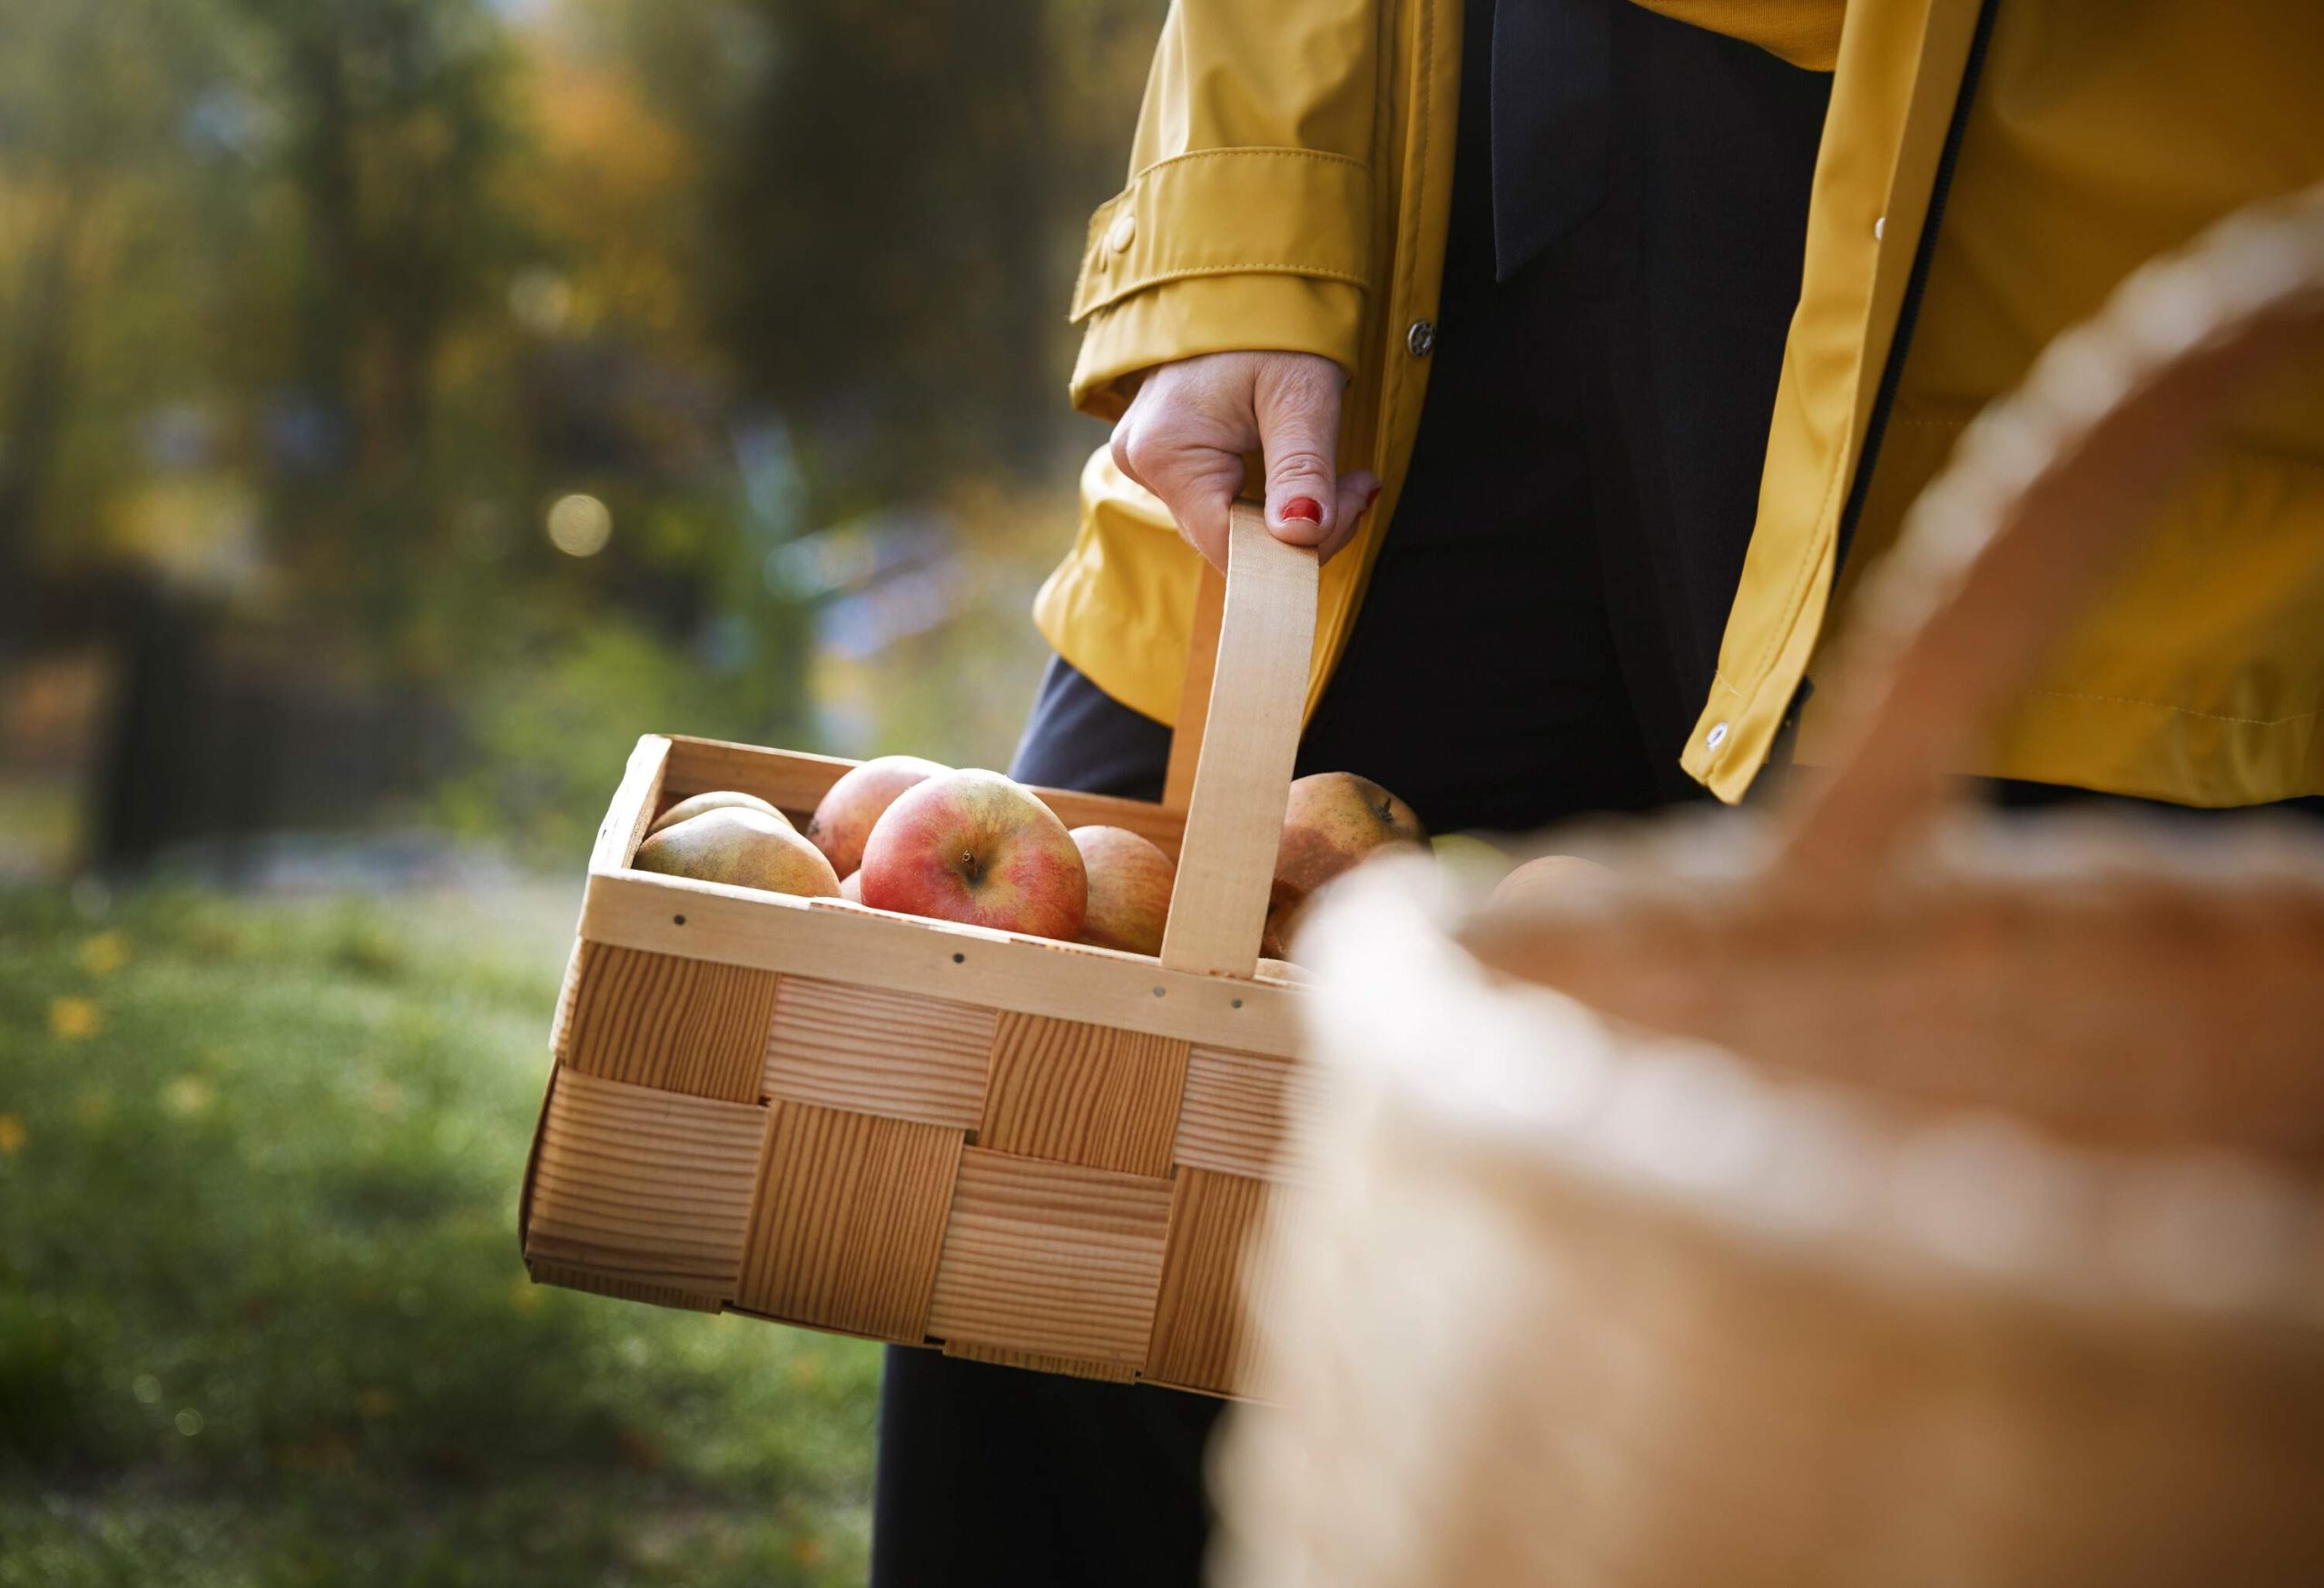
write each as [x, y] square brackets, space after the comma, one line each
[1234, 1003]
[1158, 992]
[677, 921]
[960, 959]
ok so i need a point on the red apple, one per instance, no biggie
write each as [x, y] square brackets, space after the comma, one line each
[974, 846]
[743, 847]
[850, 807]
[1129, 889]
[717, 799]
[1333, 821]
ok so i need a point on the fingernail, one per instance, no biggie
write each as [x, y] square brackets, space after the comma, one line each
[1303, 508]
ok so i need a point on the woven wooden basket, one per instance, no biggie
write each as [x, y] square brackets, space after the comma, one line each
[1861, 1194]
[1019, 1151]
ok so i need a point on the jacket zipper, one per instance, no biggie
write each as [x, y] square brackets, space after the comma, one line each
[1908, 309]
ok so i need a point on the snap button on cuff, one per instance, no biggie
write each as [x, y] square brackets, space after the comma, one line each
[1716, 738]
[1124, 228]
[1421, 339]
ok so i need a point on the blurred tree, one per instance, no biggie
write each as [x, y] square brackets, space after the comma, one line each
[393, 127]
[310, 309]
[86, 95]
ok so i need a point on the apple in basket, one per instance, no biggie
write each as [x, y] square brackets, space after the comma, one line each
[746, 848]
[1550, 879]
[851, 807]
[851, 887]
[1129, 889]
[975, 846]
[717, 799]
[1333, 821]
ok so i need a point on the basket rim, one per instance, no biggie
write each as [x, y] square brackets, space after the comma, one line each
[1541, 1090]
[856, 944]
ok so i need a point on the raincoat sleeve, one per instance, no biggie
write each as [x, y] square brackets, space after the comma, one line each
[1247, 220]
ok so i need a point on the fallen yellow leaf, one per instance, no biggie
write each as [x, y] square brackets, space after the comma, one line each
[11, 1133]
[73, 1018]
[105, 954]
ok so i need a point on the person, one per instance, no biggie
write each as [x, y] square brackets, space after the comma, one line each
[1643, 320]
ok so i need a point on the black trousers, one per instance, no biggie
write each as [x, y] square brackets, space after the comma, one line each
[1540, 628]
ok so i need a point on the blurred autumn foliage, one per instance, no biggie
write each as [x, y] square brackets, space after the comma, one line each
[404, 403]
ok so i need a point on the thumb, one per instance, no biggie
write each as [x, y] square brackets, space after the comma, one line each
[1297, 404]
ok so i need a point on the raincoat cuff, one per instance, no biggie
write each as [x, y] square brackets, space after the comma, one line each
[1212, 314]
[1225, 248]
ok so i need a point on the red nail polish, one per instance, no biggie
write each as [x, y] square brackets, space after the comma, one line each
[1307, 509]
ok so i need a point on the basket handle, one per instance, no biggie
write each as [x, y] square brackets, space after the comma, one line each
[2044, 495]
[1244, 748]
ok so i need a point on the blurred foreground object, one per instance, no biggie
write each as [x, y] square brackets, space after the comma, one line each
[1853, 1196]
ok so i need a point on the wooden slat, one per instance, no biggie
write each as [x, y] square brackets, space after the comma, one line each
[560, 1025]
[572, 1278]
[683, 1025]
[1074, 1092]
[850, 1218]
[1248, 1114]
[838, 941]
[1034, 1362]
[644, 1186]
[1194, 692]
[1220, 1232]
[1234, 821]
[796, 783]
[1050, 1258]
[633, 806]
[878, 1053]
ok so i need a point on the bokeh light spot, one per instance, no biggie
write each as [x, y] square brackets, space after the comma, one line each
[579, 525]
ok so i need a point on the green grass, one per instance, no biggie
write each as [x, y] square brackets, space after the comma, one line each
[262, 1317]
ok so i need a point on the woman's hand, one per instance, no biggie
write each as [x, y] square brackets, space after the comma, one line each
[1192, 422]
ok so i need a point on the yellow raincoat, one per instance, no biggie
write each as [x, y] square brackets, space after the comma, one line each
[1990, 170]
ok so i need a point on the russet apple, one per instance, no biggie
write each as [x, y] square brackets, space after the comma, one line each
[974, 846]
[717, 799]
[1129, 889]
[1333, 821]
[745, 847]
[850, 807]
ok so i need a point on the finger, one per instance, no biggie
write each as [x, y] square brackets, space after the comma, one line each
[1357, 491]
[1200, 498]
[1196, 481]
[1298, 409]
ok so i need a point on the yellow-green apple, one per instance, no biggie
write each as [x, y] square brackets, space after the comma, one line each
[746, 848]
[1470, 858]
[974, 846]
[717, 799]
[850, 807]
[1129, 889]
[851, 887]
[1551, 877]
[1333, 821]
